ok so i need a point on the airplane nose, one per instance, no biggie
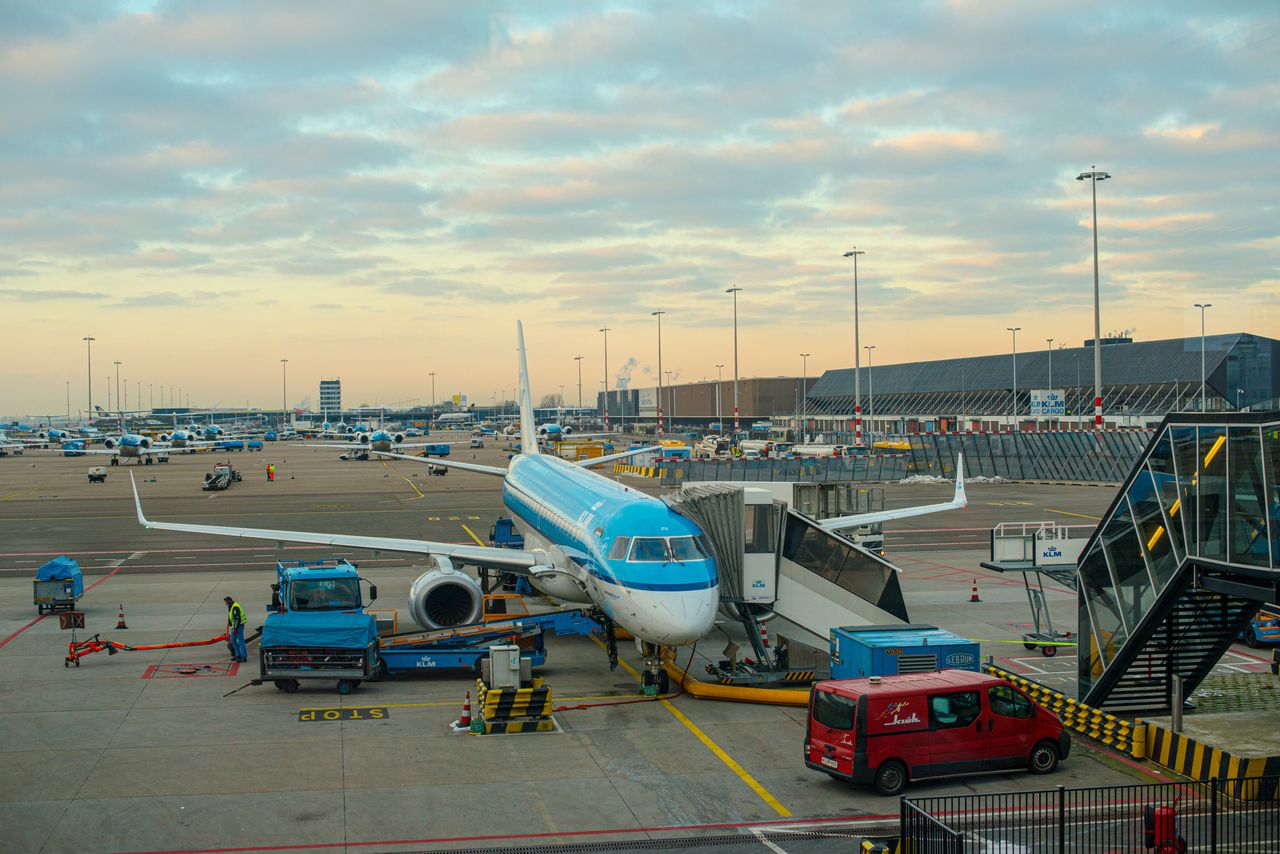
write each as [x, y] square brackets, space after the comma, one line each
[688, 616]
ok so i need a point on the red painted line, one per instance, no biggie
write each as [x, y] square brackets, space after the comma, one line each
[510, 836]
[4, 642]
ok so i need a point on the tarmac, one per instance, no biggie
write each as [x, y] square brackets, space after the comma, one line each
[143, 751]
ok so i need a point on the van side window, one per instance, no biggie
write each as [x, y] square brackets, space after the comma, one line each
[832, 710]
[953, 710]
[1008, 702]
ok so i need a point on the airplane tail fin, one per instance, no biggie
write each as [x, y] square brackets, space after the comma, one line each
[960, 499]
[528, 427]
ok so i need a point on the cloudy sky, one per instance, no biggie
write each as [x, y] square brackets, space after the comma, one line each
[377, 190]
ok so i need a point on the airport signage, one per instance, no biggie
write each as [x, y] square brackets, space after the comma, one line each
[1047, 402]
[370, 713]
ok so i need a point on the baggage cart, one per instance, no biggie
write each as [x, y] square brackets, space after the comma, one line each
[57, 585]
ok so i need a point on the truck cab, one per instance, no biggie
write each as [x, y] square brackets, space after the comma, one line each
[317, 627]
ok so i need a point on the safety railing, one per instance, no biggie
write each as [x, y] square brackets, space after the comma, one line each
[1162, 817]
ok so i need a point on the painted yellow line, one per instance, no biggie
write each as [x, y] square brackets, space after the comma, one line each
[412, 484]
[18, 494]
[459, 705]
[728, 760]
[472, 535]
[1077, 515]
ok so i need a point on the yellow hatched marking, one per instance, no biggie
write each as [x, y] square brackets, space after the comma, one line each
[472, 535]
[1077, 515]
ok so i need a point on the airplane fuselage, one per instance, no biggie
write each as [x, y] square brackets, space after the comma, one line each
[668, 594]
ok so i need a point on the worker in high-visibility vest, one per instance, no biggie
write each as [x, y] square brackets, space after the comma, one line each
[235, 630]
[271, 471]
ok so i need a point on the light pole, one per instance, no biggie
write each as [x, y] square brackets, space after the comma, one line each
[658, 314]
[1094, 176]
[871, 395]
[68, 401]
[735, 291]
[578, 359]
[284, 392]
[1050, 340]
[88, 343]
[605, 331]
[1202, 307]
[151, 395]
[1239, 392]
[804, 393]
[1014, 330]
[118, 363]
[431, 425]
[719, 417]
[857, 352]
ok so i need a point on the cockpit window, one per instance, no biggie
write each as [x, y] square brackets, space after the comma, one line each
[687, 548]
[649, 549]
[618, 551]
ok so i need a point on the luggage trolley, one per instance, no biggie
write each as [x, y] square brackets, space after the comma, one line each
[1037, 549]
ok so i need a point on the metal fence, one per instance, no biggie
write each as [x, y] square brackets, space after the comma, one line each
[1077, 456]
[1223, 815]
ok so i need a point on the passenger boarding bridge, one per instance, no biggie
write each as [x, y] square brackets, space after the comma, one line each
[1186, 553]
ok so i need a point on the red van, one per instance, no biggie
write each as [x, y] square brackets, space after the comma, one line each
[891, 729]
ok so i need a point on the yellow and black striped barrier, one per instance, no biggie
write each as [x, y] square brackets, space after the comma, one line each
[513, 710]
[888, 846]
[1128, 737]
[1199, 761]
[642, 471]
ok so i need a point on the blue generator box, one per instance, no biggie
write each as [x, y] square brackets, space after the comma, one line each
[858, 651]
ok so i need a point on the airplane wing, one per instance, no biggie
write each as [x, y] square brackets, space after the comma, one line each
[608, 458]
[447, 463]
[518, 561]
[349, 446]
[957, 501]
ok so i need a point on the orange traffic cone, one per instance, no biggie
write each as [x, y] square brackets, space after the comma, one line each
[973, 596]
[120, 624]
[764, 634]
[464, 722]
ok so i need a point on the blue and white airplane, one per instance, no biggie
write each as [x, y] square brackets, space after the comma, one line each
[589, 540]
[379, 440]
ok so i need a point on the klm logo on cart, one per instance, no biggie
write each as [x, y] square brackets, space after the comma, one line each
[757, 583]
[893, 718]
[1051, 551]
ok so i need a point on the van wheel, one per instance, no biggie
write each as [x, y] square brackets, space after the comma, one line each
[891, 777]
[1044, 758]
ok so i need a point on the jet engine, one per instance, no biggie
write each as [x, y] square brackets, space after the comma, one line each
[445, 597]
[363, 438]
[165, 437]
[109, 443]
[398, 438]
[144, 442]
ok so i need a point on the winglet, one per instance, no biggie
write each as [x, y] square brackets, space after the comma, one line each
[960, 499]
[528, 427]
[137, 503]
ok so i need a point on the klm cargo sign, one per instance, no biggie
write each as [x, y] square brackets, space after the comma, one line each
[1048, 402]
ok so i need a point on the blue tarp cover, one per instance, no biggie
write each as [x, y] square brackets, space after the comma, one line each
[337, 630]
[62, 567]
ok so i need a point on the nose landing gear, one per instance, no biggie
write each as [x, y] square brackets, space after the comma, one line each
[653, 679]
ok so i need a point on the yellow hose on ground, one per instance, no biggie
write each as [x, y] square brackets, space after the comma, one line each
[710, 691]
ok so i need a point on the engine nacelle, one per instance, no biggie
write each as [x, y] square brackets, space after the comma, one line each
[165, 437]
[363, 438]
[566, 430]
[109, 444]
[144, 442]
[398, 438]
[445, 597]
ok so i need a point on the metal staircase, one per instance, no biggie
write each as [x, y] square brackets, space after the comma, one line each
[1185, 555]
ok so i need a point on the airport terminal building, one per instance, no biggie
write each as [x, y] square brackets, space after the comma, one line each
[1141, 382]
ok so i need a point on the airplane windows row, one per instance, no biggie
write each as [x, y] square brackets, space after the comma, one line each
[660, 550]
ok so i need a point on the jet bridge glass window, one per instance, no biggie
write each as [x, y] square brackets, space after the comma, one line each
[324, 594]
[760, 529]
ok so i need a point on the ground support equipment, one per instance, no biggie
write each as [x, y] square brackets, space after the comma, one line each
[77, 650]
[513, 710]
